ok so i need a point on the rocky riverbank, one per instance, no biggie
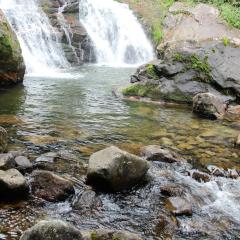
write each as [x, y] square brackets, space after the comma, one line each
[161, 178]
[199, 53]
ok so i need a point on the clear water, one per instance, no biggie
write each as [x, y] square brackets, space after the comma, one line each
[117, 35]
[76, 111]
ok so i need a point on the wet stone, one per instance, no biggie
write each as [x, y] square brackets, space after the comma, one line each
[232, 173]
[86, 200]
[109, 235]
[200, 176]
[23, 163]
[216, 171]
[3, 140]
[6, 161]
[179, 206]
[12, 185]
[47, 158]
[50, 187]
[159, 153]
[52, 229]
[171, 189]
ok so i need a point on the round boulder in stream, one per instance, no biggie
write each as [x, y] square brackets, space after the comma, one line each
[115, 170]
[50, 187]
[12, 185]
[50, 230]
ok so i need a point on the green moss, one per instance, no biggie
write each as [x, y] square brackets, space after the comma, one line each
[196, 63]
[225, 41]
[154, 92]
[94, 236]
[151, 71]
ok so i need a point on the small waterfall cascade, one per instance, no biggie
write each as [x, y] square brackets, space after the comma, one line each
[41, 49]
[118, 37]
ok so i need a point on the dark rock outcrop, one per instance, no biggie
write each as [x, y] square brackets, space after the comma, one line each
[115, 170]
[50, 187]
[199, 53]
[75, 41]
[12, 67]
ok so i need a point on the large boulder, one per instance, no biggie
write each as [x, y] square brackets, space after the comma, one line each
[116, 170]
[50, 187]
[50, 230]
[199, 53]
[109, 235]
[12, 67]
[12, 184]
[3, 140]
[209, 106]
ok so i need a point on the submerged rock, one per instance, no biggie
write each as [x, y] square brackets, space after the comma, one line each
[12, 184]
[115, 170]
[162, 154]
[208, 106]
[50, 230]
[216, 171]
[179, 206]
[50, 187]
[12, 68]
[86, 200]
[6, 161]
[109, 235]
[3, 140]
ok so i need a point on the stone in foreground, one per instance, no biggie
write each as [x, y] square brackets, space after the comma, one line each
[12, 184]
[3, 140]
[109, 235]
[23, 163]
[179, 206]
[209, 106]
[159, 153]
[115, 170]
[6, 161]
[50, 187]
[50, 230]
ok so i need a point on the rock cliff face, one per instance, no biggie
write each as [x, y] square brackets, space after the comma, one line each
[73, 36]
[12, 66]
[199, 53]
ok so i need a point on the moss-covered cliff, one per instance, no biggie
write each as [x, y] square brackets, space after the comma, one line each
[12, 66]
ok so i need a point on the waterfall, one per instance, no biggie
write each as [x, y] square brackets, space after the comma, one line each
[39, 42]
[117, 36]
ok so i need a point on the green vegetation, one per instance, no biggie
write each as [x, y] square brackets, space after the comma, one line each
[153, 92]
[225, 41]
[151, 71]
[154, 12]
[195, 62]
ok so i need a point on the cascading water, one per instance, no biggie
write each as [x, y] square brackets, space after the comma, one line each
[41, 50]
[117, 36]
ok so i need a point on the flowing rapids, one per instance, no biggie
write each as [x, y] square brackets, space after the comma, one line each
[40, 45]
[116, 33]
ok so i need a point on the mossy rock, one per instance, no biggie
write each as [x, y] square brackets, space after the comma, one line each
[12, 67]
